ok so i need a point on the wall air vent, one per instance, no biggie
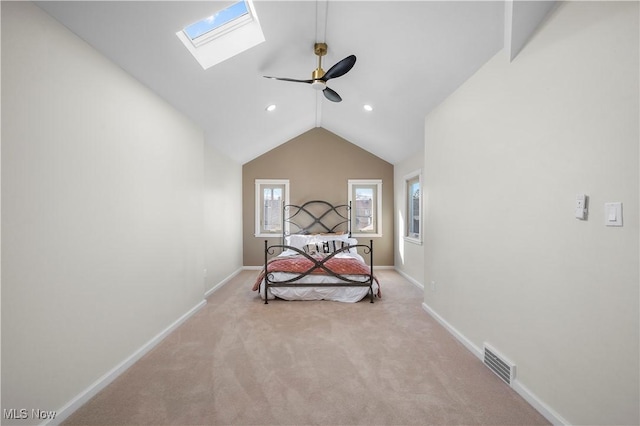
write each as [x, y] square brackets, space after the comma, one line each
[502, 367]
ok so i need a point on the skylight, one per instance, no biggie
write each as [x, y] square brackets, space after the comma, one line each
[230, 16]
[224, 34]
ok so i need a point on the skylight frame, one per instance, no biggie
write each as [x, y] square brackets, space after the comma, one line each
[230, 25]
[227, 40]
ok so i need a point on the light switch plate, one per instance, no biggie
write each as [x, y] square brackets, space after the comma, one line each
[613, 214]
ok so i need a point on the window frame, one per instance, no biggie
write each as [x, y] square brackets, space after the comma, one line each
[229, 25]
[409, 179]
[376, 184]
[260, 186]
[225, 41]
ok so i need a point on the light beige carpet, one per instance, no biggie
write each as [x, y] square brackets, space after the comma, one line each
[238, 361]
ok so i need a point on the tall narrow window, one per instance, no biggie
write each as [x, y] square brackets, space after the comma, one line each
[413, 213]
[271, 194]
[365, 197]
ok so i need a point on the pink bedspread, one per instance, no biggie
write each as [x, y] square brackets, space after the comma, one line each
[301, 265]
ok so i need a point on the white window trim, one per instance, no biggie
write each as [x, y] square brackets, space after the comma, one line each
[224, 28]
[367, 182]
[214, 48]
[258, 205]
[405, 231]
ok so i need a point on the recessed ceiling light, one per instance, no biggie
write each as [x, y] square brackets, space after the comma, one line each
[270, 107]
[368, 108]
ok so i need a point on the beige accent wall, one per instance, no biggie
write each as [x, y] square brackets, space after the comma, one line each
[505, 156]
[318, 165]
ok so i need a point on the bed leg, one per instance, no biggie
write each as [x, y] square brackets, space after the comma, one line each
[371, 269]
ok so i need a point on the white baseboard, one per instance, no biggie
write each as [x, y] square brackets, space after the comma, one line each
[410, 279]
[525, 393]
[109, 377]
[221, 283]
[538, 404]
[451, 329]
[252, 268]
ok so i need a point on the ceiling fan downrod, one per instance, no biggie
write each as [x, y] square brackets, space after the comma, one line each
[319, 49]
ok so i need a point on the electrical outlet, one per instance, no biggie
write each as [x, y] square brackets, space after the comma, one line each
[433, 286]
[581, 206]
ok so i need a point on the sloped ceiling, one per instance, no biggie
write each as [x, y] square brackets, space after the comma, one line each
[410, 56]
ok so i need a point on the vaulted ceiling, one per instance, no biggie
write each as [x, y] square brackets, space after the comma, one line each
[410, 57]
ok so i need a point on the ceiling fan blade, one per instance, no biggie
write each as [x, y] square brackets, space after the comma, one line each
[331, 95]
[289, 79]
[341, 68]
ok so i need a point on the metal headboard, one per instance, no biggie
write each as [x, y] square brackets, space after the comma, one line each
[315, 216]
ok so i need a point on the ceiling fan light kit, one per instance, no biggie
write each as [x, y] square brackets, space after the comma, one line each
[319, 78]
[319, 85]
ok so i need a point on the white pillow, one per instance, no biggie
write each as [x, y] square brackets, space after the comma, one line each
[337, 244]
[299, 241]
[352, 242]
[332, 237]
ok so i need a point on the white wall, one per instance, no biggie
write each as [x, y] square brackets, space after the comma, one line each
[409, 256]
[222, 218]
[102, 214]
[505, 156]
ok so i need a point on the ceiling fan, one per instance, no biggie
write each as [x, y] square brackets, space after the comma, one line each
[319, 78]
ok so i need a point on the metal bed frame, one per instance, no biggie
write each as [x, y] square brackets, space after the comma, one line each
[313, 217]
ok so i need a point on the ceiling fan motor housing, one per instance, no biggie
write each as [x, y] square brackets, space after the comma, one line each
[316, 76]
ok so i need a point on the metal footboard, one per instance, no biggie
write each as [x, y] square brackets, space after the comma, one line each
[317, 265]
